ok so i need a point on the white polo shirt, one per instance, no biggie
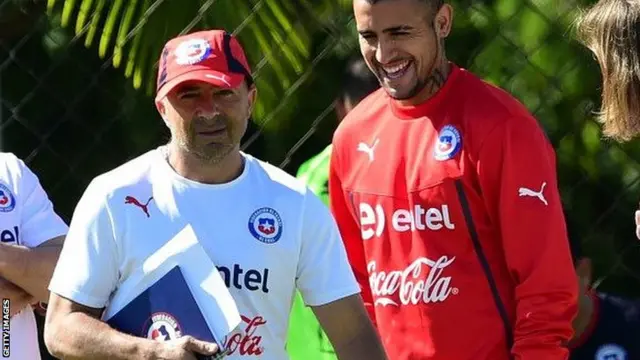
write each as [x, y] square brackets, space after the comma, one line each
[27, 218]
[266, 232]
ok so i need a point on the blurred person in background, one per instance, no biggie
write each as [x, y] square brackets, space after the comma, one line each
[607, 327]
[267, 234]
[31, 237]
[445, 191]
[307, 340]
[610, 29]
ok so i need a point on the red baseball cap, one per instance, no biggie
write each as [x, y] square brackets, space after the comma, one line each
[214, 56]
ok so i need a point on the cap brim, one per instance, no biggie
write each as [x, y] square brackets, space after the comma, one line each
[215, 78]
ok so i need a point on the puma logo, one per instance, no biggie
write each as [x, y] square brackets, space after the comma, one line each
[538, 194]
[365, 148]
[219, 78]
[135, 202]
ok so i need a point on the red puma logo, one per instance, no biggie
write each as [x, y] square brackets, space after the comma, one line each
[133, 201]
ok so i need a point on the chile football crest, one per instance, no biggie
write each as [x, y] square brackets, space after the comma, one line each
[611, 352]
[7, 200]
[162, 327]
[192, 51]
[448, 144]
[265, 225]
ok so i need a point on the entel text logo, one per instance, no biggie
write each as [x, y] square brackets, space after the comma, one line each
[241, 279]
[10, 235]
[373, 220]
[411, 284]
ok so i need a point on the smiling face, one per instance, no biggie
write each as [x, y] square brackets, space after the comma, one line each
[401, 41]
[207, 121]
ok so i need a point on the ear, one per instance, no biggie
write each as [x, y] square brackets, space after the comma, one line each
[443, 20]
[161, 108]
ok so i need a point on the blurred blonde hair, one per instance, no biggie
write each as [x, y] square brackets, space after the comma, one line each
[610, 29]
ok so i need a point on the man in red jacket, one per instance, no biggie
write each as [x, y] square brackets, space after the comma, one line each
[444, 189]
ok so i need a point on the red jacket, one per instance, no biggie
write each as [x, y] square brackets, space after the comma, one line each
[452, 221]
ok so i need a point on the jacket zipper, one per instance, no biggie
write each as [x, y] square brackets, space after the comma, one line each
[502, 311]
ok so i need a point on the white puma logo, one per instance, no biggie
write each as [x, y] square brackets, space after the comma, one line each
[220, 78]
[368, 150]
[528, 192]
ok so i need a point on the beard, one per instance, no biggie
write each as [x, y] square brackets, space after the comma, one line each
[409, 93]
[208, 150]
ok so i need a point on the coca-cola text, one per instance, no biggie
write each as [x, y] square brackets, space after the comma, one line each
[246, 342]
[422, 281]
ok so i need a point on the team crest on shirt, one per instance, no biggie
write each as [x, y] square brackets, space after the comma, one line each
[265, 225]
[448, 144]
[163, 327]
[611, 352]
[192, 51]
[7, 200]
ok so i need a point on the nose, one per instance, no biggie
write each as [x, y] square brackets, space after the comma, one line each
[384, 51]
[206, 107]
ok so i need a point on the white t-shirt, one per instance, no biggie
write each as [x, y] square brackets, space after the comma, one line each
[268, 235]
[27, 218]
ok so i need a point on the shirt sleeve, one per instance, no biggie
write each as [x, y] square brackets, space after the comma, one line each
[323, 273]
[350, 233]
[87, 270]
[517, 175]
[39, 222]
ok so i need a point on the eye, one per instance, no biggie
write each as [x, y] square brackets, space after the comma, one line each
[368, 36]
[399, 33]
[226, 94]
[187, 93]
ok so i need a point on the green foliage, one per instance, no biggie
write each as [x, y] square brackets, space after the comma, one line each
[277, 35]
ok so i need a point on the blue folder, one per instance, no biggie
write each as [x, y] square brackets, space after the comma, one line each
[165, 311]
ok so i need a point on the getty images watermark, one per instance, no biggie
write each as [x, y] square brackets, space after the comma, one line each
[6, 328]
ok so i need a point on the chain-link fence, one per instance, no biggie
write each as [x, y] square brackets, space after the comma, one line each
[71, 114]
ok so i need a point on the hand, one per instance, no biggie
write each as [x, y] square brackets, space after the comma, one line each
[184, 348]
[638, 224]
[18, 298]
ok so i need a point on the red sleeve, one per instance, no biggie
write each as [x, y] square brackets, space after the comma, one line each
[350, 233]
[515, 162]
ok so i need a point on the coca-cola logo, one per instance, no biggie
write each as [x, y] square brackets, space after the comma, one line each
[421, 282]
[246, 342]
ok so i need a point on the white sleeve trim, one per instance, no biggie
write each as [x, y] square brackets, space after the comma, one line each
[78, 297]
[50, 234]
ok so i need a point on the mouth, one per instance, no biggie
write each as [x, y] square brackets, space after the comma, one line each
[213, 132]
[396, 70]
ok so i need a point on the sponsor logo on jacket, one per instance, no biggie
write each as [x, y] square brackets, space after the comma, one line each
[423, 281]
[373, 219]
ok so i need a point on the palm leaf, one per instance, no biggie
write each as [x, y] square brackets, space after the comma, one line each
[130, 34]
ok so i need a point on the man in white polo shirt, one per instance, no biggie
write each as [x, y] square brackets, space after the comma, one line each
[31, 236]
[265, 230]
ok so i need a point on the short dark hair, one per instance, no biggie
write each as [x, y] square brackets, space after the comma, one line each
[358, 80]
